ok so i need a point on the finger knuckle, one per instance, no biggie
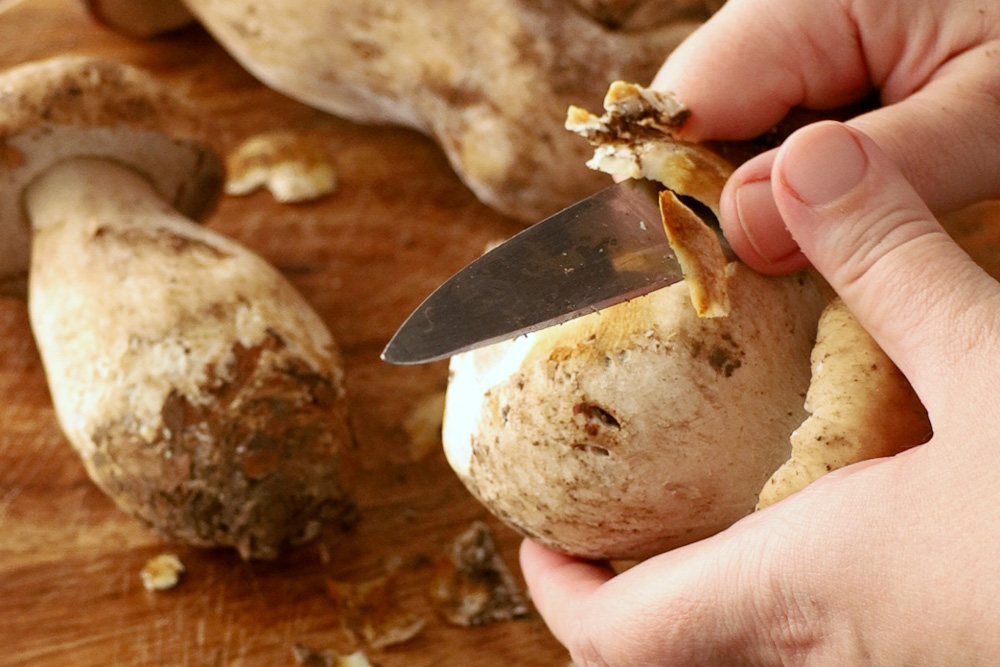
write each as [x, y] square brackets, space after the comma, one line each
[789, 619]
[872, 252]
[584, 650]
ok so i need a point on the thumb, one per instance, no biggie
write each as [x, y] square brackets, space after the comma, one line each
[865, 229]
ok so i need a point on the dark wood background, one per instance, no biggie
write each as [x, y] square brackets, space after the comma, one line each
[400, 224]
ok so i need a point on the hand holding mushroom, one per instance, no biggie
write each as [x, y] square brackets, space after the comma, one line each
[845, 571]
[665, 419]
[200, 390]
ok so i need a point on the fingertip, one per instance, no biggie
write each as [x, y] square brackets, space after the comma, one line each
[820, 182]
[752, 223]
[542, 565]
[560, 585]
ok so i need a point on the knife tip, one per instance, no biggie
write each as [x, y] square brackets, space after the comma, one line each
[390, 354]
[401, 355]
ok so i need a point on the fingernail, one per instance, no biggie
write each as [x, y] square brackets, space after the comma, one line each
[823, 163]
[762, 223]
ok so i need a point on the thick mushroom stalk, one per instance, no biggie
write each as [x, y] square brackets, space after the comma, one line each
[200, 390]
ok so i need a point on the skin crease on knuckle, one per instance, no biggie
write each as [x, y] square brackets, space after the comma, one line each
[791, 614]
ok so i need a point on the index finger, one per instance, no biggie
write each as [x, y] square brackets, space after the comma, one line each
[753, 61]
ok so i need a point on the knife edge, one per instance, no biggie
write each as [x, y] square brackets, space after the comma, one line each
[605, 249]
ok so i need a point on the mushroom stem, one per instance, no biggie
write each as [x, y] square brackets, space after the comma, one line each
[96, 191]
[113, 269]
[187, 372]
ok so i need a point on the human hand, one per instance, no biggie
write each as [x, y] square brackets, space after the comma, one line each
[889, 562]
[936, 64]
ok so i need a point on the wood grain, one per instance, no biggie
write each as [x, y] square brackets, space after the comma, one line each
[400, 224]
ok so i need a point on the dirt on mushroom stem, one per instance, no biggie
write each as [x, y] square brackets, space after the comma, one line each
[201, 392]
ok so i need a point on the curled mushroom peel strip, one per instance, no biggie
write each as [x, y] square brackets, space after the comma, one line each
[700, 255]
[198, 387]
[860, 407]
[633, 139]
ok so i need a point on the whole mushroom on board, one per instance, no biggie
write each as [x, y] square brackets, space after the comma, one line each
[200, 390]
[489, 80]
[653, 423]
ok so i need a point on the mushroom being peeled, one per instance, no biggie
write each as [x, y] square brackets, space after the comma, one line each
[638, 428]
[200, 390]
[658, 421]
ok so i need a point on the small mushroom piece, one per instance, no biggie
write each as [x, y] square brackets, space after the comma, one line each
[162, 572]
[472, 585]
[291, 167]
[198, 387]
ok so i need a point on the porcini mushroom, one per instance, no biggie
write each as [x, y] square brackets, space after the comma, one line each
[198, 387]
[638, 428]
[658, 421]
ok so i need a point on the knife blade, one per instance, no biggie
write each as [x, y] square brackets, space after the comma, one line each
[603, 250]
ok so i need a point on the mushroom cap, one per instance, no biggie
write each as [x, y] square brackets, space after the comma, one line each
[79, 106]
[638, 428]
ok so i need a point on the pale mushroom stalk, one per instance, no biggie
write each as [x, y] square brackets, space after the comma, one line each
[201, 391]
[106, 276]
[135, 308]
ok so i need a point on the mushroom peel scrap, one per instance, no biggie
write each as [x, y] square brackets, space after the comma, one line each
[200, 390]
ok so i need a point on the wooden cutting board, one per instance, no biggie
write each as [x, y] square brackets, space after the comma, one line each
[400, 224]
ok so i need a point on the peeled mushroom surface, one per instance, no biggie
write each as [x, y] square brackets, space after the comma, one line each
[638, 428]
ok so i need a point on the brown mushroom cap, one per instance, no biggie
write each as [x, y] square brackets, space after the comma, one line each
[77, 106]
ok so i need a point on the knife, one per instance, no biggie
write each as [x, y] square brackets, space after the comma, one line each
[603, 250]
